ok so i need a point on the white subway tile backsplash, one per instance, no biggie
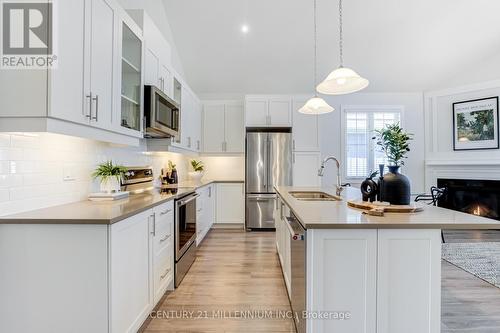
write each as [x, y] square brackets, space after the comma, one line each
[4, 167]
[4, 195]
[32, 168]
[4, 140]
[24, 141]
[7, 154]
[10, 180]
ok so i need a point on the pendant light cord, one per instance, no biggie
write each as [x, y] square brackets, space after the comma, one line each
[315, 51]
[341, 33]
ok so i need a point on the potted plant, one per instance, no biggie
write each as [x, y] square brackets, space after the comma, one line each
[110, 176]
[394, 187]
[198, 168]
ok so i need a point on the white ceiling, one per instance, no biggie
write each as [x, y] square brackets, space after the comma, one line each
[399, 45]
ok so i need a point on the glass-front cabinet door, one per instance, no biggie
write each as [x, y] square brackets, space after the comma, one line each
[131, 79]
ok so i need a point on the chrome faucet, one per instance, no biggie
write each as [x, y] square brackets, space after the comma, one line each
[321, 170]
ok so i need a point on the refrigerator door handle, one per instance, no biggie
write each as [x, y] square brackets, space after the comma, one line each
[269, 166]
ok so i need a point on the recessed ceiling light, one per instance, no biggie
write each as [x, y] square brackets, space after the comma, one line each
[245, 28]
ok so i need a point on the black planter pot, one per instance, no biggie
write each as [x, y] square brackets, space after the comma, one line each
[395, 187]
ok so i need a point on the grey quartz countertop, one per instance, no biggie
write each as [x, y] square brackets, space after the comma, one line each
[106, 212]
[337, 215]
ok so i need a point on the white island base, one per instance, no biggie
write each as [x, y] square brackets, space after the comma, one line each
[386, 280]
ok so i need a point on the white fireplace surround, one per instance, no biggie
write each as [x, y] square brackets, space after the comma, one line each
[441, 160]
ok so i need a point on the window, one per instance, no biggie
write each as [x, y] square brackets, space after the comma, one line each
[361, 153]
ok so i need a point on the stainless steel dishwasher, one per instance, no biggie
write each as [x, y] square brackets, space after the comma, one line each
[298, 271]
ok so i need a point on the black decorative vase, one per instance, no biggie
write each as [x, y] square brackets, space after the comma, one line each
[173, 177]
[395, 187]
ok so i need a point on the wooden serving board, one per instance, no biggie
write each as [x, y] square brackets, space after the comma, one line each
[378, 208]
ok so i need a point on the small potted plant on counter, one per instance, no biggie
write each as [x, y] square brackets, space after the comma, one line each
[394, 187]
[110, 176]
[198, 168]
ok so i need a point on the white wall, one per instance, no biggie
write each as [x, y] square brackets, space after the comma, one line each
[441, 160]
[330, 130]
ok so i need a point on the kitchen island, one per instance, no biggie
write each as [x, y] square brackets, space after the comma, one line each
[364, 273]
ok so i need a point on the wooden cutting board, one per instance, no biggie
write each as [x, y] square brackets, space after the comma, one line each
[378, 208]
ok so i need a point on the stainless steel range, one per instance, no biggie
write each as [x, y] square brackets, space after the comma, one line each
[140, 180]
[185, 235]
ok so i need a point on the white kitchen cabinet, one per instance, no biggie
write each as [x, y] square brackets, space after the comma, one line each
[268, 111]
[129, 116]
[280, 112]
[81, 92]
[102, 60]
[163, 250]
[130, 247]
[305, 168]
[234, 129]
[283, 242]
[305, 129]
[81, 88]
[344, 263]
[67, 90]
[157, 71]
[256, 112]
[213, 127]
[231, 203]
[223, 127]
[151, 68]
[205, 217]
[190, 136]
[412, 302]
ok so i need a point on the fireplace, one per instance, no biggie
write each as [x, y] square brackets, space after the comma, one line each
[477, 197]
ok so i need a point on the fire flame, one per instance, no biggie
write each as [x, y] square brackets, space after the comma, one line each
[477, 211]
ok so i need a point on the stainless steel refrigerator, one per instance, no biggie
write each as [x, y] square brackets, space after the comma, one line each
[268, 163]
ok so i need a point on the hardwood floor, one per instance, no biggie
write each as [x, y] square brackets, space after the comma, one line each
[469, 304]
[471, 236]
[239, 271]
[236, 273]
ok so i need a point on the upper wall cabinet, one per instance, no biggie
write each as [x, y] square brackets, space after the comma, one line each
[223, 127]
[268, 111]
[157, 53]
[305, 129]
[82, 94]
[81, 88]
[131, 93]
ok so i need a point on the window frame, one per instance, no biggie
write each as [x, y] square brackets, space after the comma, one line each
[370, 144]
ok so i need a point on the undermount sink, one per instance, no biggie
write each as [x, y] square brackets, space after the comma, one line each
[314, 196]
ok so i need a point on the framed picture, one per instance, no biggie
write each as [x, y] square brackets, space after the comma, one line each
[475, 124]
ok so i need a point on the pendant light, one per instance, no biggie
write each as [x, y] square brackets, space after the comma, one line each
[342, 80]
[315, 105]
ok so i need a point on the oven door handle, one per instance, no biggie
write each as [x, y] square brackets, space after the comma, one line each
[184, 202]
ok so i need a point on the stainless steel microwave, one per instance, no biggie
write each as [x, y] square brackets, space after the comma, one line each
[161, 114]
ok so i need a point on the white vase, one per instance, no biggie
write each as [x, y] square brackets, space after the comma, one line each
[110, 185]
[196, 176]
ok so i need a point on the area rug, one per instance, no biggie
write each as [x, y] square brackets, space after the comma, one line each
[479, 259]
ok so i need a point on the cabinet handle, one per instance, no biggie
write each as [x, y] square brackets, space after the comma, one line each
[165, 274]
[165, 212]
[189, 142]
[90, 106]
[293, 144]
[154, 225]
[164, 238]
[198, 144]
[210, 192]
[96, 99]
